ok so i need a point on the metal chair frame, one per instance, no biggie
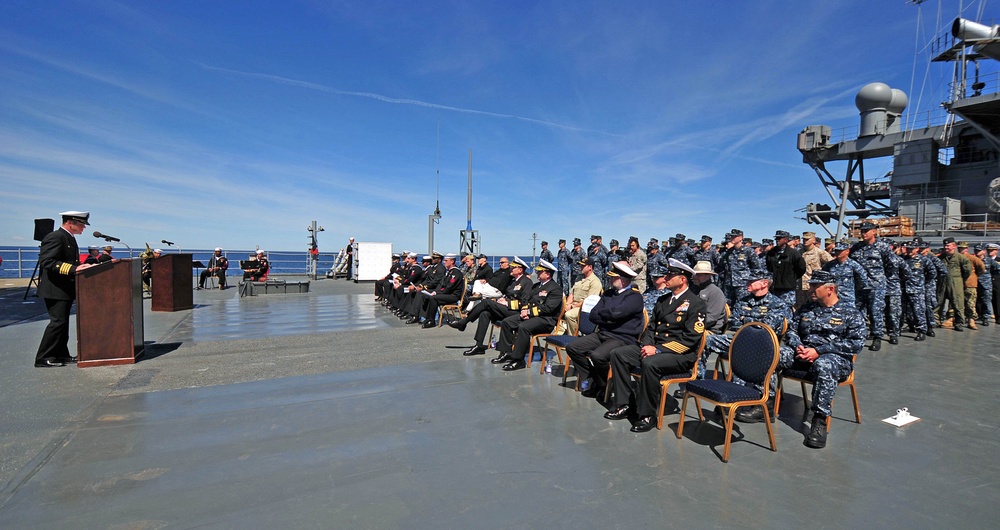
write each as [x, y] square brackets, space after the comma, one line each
[805, 397]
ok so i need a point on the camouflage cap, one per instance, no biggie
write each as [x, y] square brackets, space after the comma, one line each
[822, 277]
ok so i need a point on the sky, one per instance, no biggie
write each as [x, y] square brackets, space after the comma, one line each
[236, 124]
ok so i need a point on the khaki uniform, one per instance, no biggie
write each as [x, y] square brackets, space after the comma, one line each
[581, 290]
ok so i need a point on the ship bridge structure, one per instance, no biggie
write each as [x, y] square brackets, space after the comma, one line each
[945, 168]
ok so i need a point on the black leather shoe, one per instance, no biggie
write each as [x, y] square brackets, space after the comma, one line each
[458, 324]
[985, 323]
[475, 350]
[413, 320]
[876, 344]
[592, 391]
[619, 413]
[754, 414]
[817, 435]
[513, 365]
[427, 324]
[501, 359]
[893, 340]
[69, 360]
[930, 332]
[49, 363]
[645, 424]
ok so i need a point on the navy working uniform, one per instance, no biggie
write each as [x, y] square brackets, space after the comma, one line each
[913, 293]
[852, 279]
[736, 262]
[565, 263]
[894, 278]
[576, 256]
[837, 333]
[874, 258]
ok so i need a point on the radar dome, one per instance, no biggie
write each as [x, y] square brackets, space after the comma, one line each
[874, 96]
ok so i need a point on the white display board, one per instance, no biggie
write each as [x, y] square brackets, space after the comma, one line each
[371, 261]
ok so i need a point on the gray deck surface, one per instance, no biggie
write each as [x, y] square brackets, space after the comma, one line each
[322, 410]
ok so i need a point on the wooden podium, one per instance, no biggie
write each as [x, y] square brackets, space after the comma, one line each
[171, 283]
[109, 314]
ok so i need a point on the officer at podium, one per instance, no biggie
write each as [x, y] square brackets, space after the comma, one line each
[59, 262]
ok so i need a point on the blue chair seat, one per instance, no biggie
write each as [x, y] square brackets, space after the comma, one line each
[560, 340]
[722, 391]
[797, 374]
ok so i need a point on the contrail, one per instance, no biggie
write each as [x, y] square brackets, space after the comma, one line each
[398, 101]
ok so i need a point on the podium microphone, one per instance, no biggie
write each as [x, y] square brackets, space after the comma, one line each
[168, 243]
[106, 237]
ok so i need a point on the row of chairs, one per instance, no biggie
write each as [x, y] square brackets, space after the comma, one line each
[753, 357]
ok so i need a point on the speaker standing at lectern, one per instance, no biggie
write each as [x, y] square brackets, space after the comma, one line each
[59, 262]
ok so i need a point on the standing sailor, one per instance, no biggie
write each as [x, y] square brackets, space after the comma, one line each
[59, 262]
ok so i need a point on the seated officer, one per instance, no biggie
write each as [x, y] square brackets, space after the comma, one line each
[619, 320]
[217, 266]
[584, 287]
[538, 315]
[514, 298]
[669, 346]
[447, 291]
[760, 305]
[824, 338]
[380, 285]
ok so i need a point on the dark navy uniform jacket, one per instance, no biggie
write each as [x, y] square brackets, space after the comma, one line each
[676, 327]
[545, 300]
[57, 260]
[619, 314]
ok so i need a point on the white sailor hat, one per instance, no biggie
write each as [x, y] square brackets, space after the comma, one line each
[218, 249]
[157, 251]
[426, 258]
[260, 252]
[679, 267]
[83, 217]
[411, 254]
[518, 262]
[621, 268]
[92, 247]
[544, 265]
[451, 256]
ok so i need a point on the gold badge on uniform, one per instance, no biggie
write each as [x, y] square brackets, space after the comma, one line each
[699, 327]
[836, 321]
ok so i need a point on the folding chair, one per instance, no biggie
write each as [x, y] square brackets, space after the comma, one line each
[753, 357]
[537, 340]
[453, 309]
[803, 377]
[677, 379]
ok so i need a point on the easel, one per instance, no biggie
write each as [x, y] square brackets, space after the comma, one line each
[34, 278]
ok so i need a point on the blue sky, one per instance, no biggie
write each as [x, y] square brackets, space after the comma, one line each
[237, 123]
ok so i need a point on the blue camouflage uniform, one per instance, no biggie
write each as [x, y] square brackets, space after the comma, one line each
[985, 298]
[600, 255]
[653, 262]
[736, 264]
[913, 293]
[577, 256]
[894, 277]
[852, 279]
[933, 269]
[565, 264]
[838, 334]
[874, 258]
[769, 309]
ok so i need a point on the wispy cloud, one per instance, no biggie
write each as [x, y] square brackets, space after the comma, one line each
[401, 101]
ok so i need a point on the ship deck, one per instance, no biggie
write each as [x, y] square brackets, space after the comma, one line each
[323, 410]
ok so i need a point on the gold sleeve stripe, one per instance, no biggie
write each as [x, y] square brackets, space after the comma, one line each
[65, 268]
[675, 347]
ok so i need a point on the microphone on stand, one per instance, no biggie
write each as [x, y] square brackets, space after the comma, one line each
[107, 237]
[168, 243]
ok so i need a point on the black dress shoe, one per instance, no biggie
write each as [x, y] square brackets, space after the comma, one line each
[475, 350]
[413, 320]
[644, 424]
[893, 340]
[592, 391]
[619, 413]
[930, 332]
[958, 328]
[69, 360]
[501, 359]
[428, 324]
[513, 365]
[919, 337]
[458, 324]
[49, 363]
